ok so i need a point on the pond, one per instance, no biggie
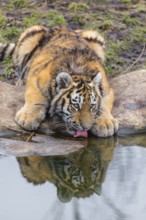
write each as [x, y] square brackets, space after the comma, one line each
[105, 180]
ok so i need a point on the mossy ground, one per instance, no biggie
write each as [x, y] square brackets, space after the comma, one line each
[121, 22]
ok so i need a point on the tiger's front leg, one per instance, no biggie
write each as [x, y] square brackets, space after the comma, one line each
[34, 110]
[106, 125]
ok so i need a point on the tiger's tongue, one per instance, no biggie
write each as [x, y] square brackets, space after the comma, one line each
[81, 134]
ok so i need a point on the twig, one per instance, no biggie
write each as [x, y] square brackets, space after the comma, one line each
[30, 137]
[142, 52]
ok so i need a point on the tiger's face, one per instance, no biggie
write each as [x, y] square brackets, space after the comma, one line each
[78, 102]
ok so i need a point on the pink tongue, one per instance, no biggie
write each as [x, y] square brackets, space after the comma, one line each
[81, 134]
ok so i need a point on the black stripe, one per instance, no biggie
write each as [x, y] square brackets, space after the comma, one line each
[101, 89]
[62, 104]
[42, 42]
[56, 103]
[50, 92]
[30, 34]
[95, 40]
[12, 51]
[3, 53]
[28, 57]
[99, 110]
[41, 67]
[22, 74]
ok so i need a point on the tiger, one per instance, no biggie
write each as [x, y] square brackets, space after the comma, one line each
[80, 174]
[64, 79]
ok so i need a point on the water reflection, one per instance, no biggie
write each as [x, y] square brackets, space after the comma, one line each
[75, 175]
[120, 169]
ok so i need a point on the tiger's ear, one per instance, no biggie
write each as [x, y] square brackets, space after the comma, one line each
[97, 79]
[64, 194]
[63, 80]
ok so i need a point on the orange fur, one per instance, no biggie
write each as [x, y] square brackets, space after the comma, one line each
[41, 54]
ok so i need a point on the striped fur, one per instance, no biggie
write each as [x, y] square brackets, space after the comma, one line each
[65, 77]
[78, 175]
[6, 50]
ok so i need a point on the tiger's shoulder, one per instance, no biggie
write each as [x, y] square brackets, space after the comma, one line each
[37, 37]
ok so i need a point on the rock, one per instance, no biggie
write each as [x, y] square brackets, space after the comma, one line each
[129, 107]
[130, 102]
[44, 146]
[11, 99]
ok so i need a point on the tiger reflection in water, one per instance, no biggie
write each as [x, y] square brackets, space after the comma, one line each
[76, 175]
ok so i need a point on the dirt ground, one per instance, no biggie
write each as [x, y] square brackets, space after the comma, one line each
[121, 22]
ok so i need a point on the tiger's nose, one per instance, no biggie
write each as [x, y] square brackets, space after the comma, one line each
[85, 126]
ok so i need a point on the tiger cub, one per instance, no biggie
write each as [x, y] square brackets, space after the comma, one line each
[64, 78]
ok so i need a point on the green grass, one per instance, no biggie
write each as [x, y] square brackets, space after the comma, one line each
[129, 1]
[75, 7]
[10, 34]
[124, 29]
[139, 34]
[53, 18]
[113, 56]
[2, 19]
[80, 19]
[128, 20]
[126, 1]
[7, 63]
[31, 20]
[49, 18]
[17, 4]
[141, 8]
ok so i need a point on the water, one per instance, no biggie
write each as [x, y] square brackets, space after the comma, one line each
[112, 171]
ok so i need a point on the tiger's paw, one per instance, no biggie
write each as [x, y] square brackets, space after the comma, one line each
[105, 127]
[30, 117]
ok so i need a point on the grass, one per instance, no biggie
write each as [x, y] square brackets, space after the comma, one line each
[7, 63]
[76, 7]
[2, 19]
[32, 19]
[57, 20]
[123, 26]
[10, 34]
[54, 18]
[17, 4]
[113, 58]
[80, 19]
[128, 20]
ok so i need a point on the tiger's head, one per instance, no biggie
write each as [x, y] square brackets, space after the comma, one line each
[78, 101]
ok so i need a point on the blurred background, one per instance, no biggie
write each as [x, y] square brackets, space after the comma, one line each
[121, 22]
